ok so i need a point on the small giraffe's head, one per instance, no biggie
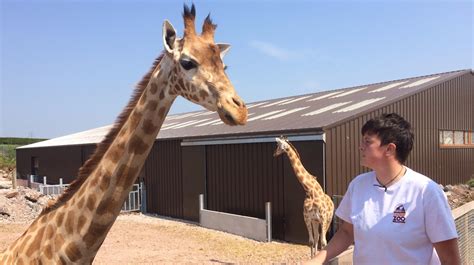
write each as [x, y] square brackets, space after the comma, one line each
[198, 70]
[282, 146]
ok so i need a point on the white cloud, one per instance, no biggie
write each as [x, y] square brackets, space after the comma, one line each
[271, 50]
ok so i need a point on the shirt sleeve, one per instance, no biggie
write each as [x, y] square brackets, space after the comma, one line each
[439, 221]
[343, 211]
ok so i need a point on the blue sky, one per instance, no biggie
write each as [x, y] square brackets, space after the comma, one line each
[70, 66]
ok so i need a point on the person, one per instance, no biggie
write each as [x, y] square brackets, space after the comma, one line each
[393, 215]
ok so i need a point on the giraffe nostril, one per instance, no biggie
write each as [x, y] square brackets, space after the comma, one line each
[237, 102]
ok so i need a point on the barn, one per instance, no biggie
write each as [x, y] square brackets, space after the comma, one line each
[234, 167]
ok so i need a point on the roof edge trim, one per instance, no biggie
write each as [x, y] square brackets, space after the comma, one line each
[267, 139]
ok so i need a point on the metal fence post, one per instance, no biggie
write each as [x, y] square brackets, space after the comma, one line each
[14, 179]
[268, 217]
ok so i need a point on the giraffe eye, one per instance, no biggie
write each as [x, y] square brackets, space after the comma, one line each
[225, 67]
[187, 64]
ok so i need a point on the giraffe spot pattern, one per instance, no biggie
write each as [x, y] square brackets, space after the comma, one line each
[58, 241]
[73, 252]
[91, 202]
[153, 88]
[80, 204]
[148, 127]
[135, 120]
[59, 220]
[106, 206]
[162, 94]
[161, 112]
[49, 232]
[152, 105]
[105, 182]
[34, 246]
[203, 94]
[137, 145]
[94, 232]
[48, 251]
[80, 223]
[70, 222]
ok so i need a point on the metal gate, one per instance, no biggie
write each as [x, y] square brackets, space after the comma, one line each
[133, 202]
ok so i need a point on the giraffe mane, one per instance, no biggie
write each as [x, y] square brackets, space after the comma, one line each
[292, 146]
[91, 164]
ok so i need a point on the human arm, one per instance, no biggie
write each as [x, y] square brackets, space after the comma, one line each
[448, 252]
[343, 238]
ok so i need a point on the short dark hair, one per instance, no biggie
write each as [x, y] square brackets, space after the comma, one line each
[392, 128]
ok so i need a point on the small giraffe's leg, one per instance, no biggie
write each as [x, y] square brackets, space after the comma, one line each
[315, 227]
[322, 238]
[310, 234]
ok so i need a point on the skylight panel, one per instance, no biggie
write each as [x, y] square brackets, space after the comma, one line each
[190, 123]
[256, 104]
[181, 116]
[276, 103]
[295, 100]
[265, 115]
[328, 108]
[325, 96]
[387, 87]
[169, 124]
[177, 125]
[204, 113]
[359, 105]
[285, 113]
[420, 82]
[207, 123]
[349, 92]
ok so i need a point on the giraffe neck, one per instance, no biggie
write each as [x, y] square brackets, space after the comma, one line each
[307, 180]
[74, 231]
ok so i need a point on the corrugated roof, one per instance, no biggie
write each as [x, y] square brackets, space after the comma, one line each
[305, 112]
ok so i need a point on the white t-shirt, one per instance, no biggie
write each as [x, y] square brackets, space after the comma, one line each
[400, 225]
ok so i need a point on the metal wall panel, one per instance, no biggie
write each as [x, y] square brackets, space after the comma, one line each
[449, 105]
[194, 179]
[164, 180]
[54, 162]
[241, 178]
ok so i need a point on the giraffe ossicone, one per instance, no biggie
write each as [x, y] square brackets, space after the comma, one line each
[72, 229]
[318, 208]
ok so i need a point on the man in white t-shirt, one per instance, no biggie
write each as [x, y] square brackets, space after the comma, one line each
[393, 215]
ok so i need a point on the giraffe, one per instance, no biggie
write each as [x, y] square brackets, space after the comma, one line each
[318, 207]
[72, 229]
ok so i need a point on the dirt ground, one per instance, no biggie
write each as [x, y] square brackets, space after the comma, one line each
[139, 239]
[145, 239]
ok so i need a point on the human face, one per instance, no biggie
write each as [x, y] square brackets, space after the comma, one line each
[372, 153]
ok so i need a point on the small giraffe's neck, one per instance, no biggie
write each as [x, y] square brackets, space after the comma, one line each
[72, 230]
[307, 180]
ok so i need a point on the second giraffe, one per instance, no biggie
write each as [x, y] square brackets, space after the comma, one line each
[318, 207]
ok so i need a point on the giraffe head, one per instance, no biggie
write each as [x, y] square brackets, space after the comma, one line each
[282, 146]
[198, 72]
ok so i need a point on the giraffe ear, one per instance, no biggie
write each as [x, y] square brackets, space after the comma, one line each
[224, 48]
[169, 36]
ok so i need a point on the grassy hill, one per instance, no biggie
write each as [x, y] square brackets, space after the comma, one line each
[7, 149]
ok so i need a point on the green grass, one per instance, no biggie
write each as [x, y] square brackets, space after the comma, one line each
[7, 149]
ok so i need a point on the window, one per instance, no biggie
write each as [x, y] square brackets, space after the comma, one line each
[451, 138]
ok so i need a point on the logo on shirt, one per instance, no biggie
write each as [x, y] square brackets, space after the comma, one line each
[399, 214]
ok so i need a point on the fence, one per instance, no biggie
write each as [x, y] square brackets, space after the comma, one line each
[133, 202]
[464, 218]
[250, 227]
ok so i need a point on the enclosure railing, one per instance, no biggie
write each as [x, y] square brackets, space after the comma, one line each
[133, 202]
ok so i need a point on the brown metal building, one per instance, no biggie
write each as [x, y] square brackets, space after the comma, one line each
[233, 166]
